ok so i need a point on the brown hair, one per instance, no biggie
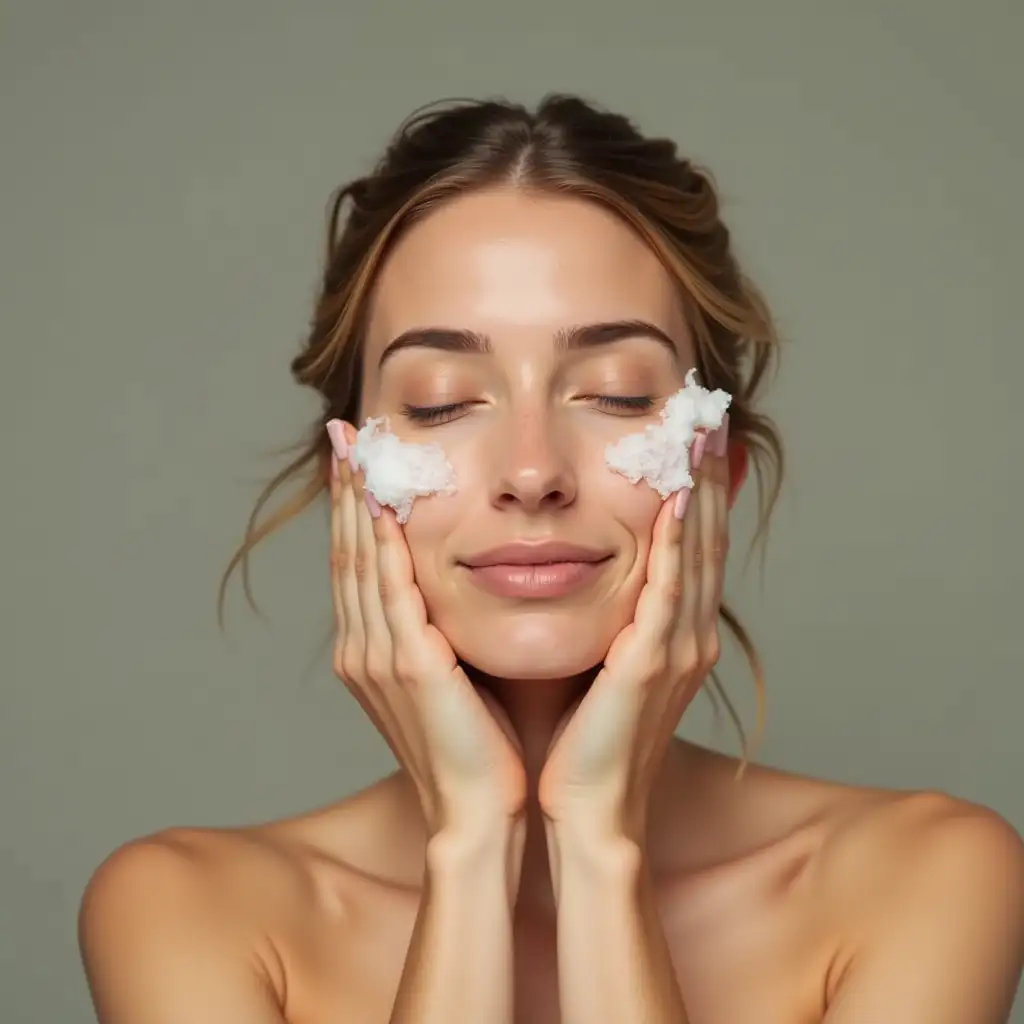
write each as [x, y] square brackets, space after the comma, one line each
[566, 146]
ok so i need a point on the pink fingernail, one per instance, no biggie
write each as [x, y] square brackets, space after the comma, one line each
[720, 438]
[372, 504]
[336, 432]
[697, 455]
[682, 500]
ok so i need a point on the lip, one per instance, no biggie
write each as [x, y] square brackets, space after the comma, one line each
[535, 553]
[545, 570]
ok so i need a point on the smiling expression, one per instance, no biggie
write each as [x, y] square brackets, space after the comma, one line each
[524, 334]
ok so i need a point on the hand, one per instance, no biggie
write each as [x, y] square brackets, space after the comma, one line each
[608, 749]
[460, 752]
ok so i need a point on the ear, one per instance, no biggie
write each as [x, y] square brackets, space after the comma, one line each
[739, 464]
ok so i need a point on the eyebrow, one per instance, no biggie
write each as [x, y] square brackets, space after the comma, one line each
[567, 339]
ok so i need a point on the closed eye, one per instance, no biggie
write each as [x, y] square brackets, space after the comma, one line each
[433, 415]
[626, 403]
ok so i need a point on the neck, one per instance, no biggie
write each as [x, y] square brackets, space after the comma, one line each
[534, 708]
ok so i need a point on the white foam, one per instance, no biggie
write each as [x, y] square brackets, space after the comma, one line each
[660, 454]
[398, 472]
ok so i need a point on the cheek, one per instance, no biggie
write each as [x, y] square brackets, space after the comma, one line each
[432, 524]
[635, 510]
[634, 507]
[610, 500]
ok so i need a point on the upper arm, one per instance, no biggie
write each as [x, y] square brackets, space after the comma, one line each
[158, 949]
[946, 945]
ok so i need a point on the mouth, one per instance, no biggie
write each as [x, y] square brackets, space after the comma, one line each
[535, 571]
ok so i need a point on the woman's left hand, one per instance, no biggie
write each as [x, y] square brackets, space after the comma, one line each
[609, 747]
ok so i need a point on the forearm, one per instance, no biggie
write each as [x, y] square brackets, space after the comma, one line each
[613, 960]
[459, 963]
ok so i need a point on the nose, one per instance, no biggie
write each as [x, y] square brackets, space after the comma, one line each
[534, 470]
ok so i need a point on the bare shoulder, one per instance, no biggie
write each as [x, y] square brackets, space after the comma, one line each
[873, 842]
[883, 837]
[936, 875]
[887, 855]
[866, 837]
[894, 879]
[182, 924]
[897, 852]
[898, 874]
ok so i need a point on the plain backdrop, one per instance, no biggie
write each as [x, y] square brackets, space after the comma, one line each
[165, 169]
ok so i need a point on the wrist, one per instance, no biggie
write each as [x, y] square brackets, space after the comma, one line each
[477, 859]
[592, 850]
[603, 818]
[586, 857]
[597, 829]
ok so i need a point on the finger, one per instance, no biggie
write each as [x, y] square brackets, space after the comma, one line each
[714, 548]
[659, 604]
[697, 456]
[679, 640]
[350, 642]
[414, 645]
[376, 588]
[378, 655]
[716, 540]
[417, 646]
[696, 645]
[336, 555]
[365, 563]
[343, 537]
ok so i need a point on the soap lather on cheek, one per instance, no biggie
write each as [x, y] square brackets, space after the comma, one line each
[397, 472]
[660, 454]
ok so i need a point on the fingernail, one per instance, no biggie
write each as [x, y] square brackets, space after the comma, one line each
[697, 455]
[372, 505]
[719, 443]
[682, 500]
[336, 432]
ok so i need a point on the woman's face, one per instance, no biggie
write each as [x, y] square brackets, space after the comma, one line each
[509, 293]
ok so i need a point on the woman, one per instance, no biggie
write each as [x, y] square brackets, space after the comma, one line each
[524, 288]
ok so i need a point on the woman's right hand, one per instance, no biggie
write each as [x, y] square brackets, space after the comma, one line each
[455, 743]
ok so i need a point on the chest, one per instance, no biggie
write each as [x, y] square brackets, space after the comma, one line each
[736, 959]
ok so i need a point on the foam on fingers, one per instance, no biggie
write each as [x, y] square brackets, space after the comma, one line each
[660, 454]
[397, 472]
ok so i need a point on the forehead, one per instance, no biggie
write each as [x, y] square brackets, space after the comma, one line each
[508, 262]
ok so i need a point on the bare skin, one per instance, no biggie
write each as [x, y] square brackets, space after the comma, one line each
[777, 899]
[769, 885]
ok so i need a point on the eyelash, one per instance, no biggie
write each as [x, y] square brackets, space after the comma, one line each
[437, 414]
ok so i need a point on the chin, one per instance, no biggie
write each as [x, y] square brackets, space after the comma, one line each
[533, 644]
